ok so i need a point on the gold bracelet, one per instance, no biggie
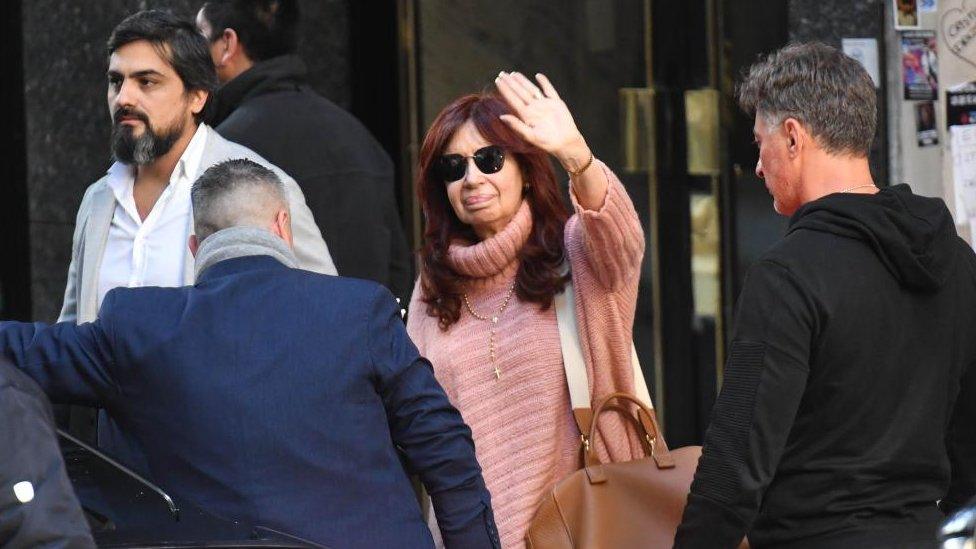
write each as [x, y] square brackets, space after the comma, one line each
[581, 170]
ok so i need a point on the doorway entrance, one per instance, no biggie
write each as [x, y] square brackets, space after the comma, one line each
[649, 86]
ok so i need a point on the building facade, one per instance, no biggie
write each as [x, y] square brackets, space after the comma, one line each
[651, 83]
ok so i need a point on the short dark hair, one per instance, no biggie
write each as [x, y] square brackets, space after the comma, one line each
[176, 40]
[820, 86]
[217, 200]
[265, 28]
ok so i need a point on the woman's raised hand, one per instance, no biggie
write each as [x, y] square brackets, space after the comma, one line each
[542, 118]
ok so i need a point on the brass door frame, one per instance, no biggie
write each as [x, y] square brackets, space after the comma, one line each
[409, 114]
[654, 238]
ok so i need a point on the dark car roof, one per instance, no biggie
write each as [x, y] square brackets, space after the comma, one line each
[126, 510]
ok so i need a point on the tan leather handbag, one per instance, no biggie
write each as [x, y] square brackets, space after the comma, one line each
[618, 505]
[637, 503]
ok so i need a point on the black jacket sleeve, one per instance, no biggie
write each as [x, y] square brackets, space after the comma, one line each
[38, 507]
[430, 431]
[961, 445]
[765, 377]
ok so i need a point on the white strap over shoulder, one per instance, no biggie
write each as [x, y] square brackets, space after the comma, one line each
[573, 363]
[579, 390]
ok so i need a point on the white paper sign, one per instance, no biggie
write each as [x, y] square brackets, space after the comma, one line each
[963, 143]
[865, 52]
[972, 233]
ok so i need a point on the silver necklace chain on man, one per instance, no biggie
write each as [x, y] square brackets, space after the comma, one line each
[493, 324]
[854, 188]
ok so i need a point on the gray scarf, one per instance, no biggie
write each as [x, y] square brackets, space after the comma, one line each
[242, 242]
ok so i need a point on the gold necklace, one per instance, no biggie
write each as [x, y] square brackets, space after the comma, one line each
[493, 323]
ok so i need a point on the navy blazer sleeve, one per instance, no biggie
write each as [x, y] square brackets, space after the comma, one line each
[71, 362]
[765, 377]
[430, 431]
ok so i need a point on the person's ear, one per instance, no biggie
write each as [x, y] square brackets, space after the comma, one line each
[282, 227]
[795, 136]
[194, 244]
[231, 47]
[198, 100]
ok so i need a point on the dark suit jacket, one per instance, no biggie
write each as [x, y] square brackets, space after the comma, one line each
[29, 453]
[275, 396]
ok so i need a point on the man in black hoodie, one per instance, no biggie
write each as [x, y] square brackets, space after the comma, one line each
[266, 104]
[846, 414]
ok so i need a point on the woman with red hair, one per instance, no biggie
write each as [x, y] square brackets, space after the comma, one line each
[496, 248]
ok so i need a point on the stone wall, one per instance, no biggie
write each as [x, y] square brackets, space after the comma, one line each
[830, 21]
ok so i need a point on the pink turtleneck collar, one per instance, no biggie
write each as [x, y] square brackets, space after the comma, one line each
[494, 260]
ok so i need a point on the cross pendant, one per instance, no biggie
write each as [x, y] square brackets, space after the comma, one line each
[498, 373]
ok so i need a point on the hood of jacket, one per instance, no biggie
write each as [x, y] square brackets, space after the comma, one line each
[914, 236]
[286, 72]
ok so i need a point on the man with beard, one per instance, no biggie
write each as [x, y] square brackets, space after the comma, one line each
[133, 224]
[265, 101]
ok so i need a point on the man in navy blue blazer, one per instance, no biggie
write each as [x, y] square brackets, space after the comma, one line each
[269, 394]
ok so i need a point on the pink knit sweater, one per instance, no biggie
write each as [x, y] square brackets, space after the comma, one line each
[525, 436]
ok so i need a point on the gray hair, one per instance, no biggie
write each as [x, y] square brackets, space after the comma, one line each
[236, 193]
[827, 91]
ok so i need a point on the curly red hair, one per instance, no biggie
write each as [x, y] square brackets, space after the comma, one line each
[540, 274]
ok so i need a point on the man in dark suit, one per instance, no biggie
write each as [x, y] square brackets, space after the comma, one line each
[269, 394]
[38, 507]
[265, 103]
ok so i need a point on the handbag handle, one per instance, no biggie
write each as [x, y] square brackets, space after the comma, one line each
[651, 432]
[579, 394]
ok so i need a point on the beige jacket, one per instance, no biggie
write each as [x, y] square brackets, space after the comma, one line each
[98, 207]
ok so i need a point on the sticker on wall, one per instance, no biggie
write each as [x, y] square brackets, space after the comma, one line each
[906, 14]
[920, 73]
[961, 105]
[962, 140]
[865, 52]
[928, 6]
[925, 124]
[959, 29]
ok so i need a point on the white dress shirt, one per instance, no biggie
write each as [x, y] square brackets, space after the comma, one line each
[150, 252]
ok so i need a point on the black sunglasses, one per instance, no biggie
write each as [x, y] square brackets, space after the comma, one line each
[451, 167]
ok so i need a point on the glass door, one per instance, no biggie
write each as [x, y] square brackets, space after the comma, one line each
[605, 58]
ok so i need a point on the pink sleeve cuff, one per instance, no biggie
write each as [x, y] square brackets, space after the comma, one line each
[612, 235]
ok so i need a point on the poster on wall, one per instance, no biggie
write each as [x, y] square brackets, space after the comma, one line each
[920, 73]
[961, 105]
[906, 14]
[925, 129]
[962, 139]
[865, 52]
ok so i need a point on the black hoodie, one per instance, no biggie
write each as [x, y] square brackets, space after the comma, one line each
[848, 399]
[345, 174]
[29, 455]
